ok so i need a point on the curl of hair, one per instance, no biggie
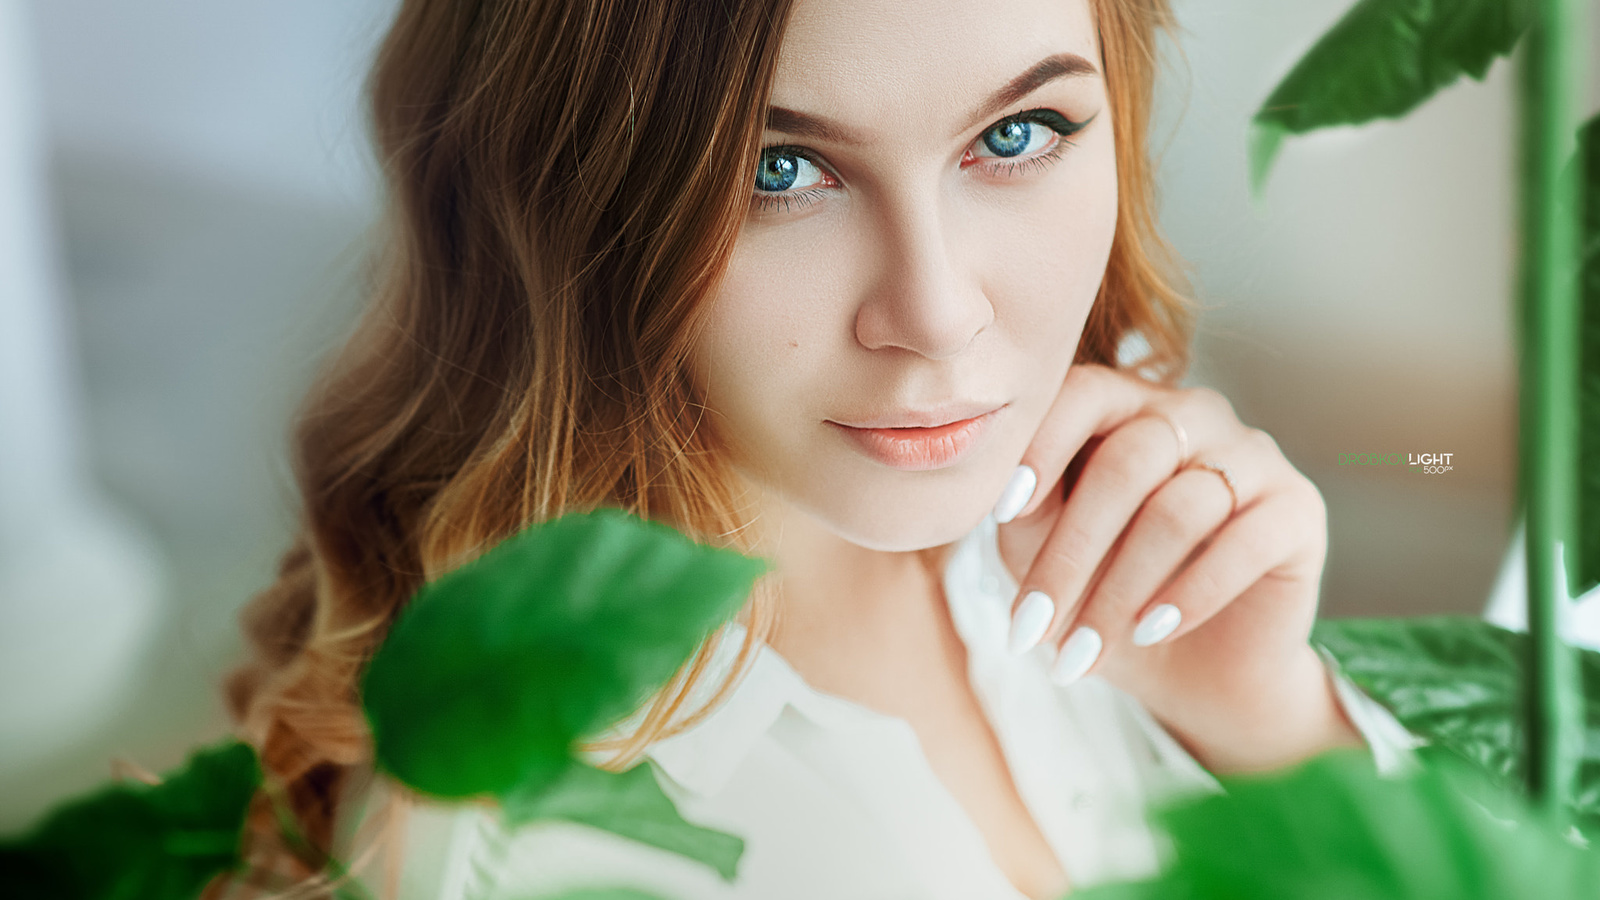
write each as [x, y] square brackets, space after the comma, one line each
[561, 203]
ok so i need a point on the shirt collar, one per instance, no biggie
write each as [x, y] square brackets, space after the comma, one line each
[701, 758]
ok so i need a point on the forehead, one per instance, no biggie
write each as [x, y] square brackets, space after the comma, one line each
[872, 61]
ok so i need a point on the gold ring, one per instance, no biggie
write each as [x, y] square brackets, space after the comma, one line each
[1183, 440]
[1227, 479]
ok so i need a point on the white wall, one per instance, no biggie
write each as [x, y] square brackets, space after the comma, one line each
[209, 177]
[80, 587]
[254, 91]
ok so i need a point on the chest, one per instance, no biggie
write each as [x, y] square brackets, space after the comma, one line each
[964, 752]
[920, 677]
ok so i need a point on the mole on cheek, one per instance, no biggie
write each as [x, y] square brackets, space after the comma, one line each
[794, 345]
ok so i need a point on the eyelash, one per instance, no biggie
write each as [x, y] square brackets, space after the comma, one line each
[1063, 127]
[770, 202]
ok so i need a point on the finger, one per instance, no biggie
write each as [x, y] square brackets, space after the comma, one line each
[1020, 540]
[1099, 400]
[1251, 468]
[1092, 400]
[1069, 570]
[1167, 530]
[1272, 536]
[1122, 472]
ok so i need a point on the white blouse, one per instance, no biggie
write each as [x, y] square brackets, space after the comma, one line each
[834, 800]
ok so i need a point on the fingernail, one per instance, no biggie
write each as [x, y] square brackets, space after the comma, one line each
[1159, 622]
[1019, 490]
[1077, 656]
[1030, 621]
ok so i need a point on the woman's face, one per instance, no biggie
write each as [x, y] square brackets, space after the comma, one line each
[929, 228]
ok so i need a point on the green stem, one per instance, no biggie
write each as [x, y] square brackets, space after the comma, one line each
[1551, 74]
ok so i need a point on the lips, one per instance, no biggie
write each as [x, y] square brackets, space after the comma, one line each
[920, 447]
[948, 414]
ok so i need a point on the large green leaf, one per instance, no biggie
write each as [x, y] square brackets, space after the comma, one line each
[1589, 396]
[1384, 58]
[1455, 681]
[139, 842]
[1333, 830]
[486, 680]
[631, 804]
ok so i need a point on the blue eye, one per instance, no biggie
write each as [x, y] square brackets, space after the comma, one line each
[785, 169]
[1024, 133]
[1011, 138]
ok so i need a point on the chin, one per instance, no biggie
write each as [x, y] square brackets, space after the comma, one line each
[904, 520]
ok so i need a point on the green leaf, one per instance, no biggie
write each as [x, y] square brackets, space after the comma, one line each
[1383, 59]
[631, 804]
[1588, 562]
[1332, 829]
[497, 667]
[136, 841]
[1455, 681]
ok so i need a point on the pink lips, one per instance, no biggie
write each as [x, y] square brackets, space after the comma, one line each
[918, 449]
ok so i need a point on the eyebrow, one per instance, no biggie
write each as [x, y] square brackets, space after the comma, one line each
[1041, 73]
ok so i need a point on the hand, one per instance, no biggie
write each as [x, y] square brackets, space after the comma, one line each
[1174, 551]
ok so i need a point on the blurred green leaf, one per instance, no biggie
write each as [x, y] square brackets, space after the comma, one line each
[1454, 680]
[1588, 562]
[497, 667]
[1332, 829]
[631, 804]
[136, 841]
[1383, 59]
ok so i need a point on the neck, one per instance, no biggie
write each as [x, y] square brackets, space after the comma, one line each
[846, 610]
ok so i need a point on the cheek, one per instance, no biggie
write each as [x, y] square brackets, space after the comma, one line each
[1045, 268]
[756, 360]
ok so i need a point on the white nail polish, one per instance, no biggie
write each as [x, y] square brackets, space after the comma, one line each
[1077, 656]
[1019, 490]
[1159, 622]
[1030, 621]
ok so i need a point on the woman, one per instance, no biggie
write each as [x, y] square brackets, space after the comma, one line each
[841, 283]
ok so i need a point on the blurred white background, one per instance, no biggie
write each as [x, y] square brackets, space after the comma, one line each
[204, 193]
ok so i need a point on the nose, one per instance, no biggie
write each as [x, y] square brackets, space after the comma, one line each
[924, 299]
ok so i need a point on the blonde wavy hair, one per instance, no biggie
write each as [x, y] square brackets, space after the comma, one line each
[566, 182]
